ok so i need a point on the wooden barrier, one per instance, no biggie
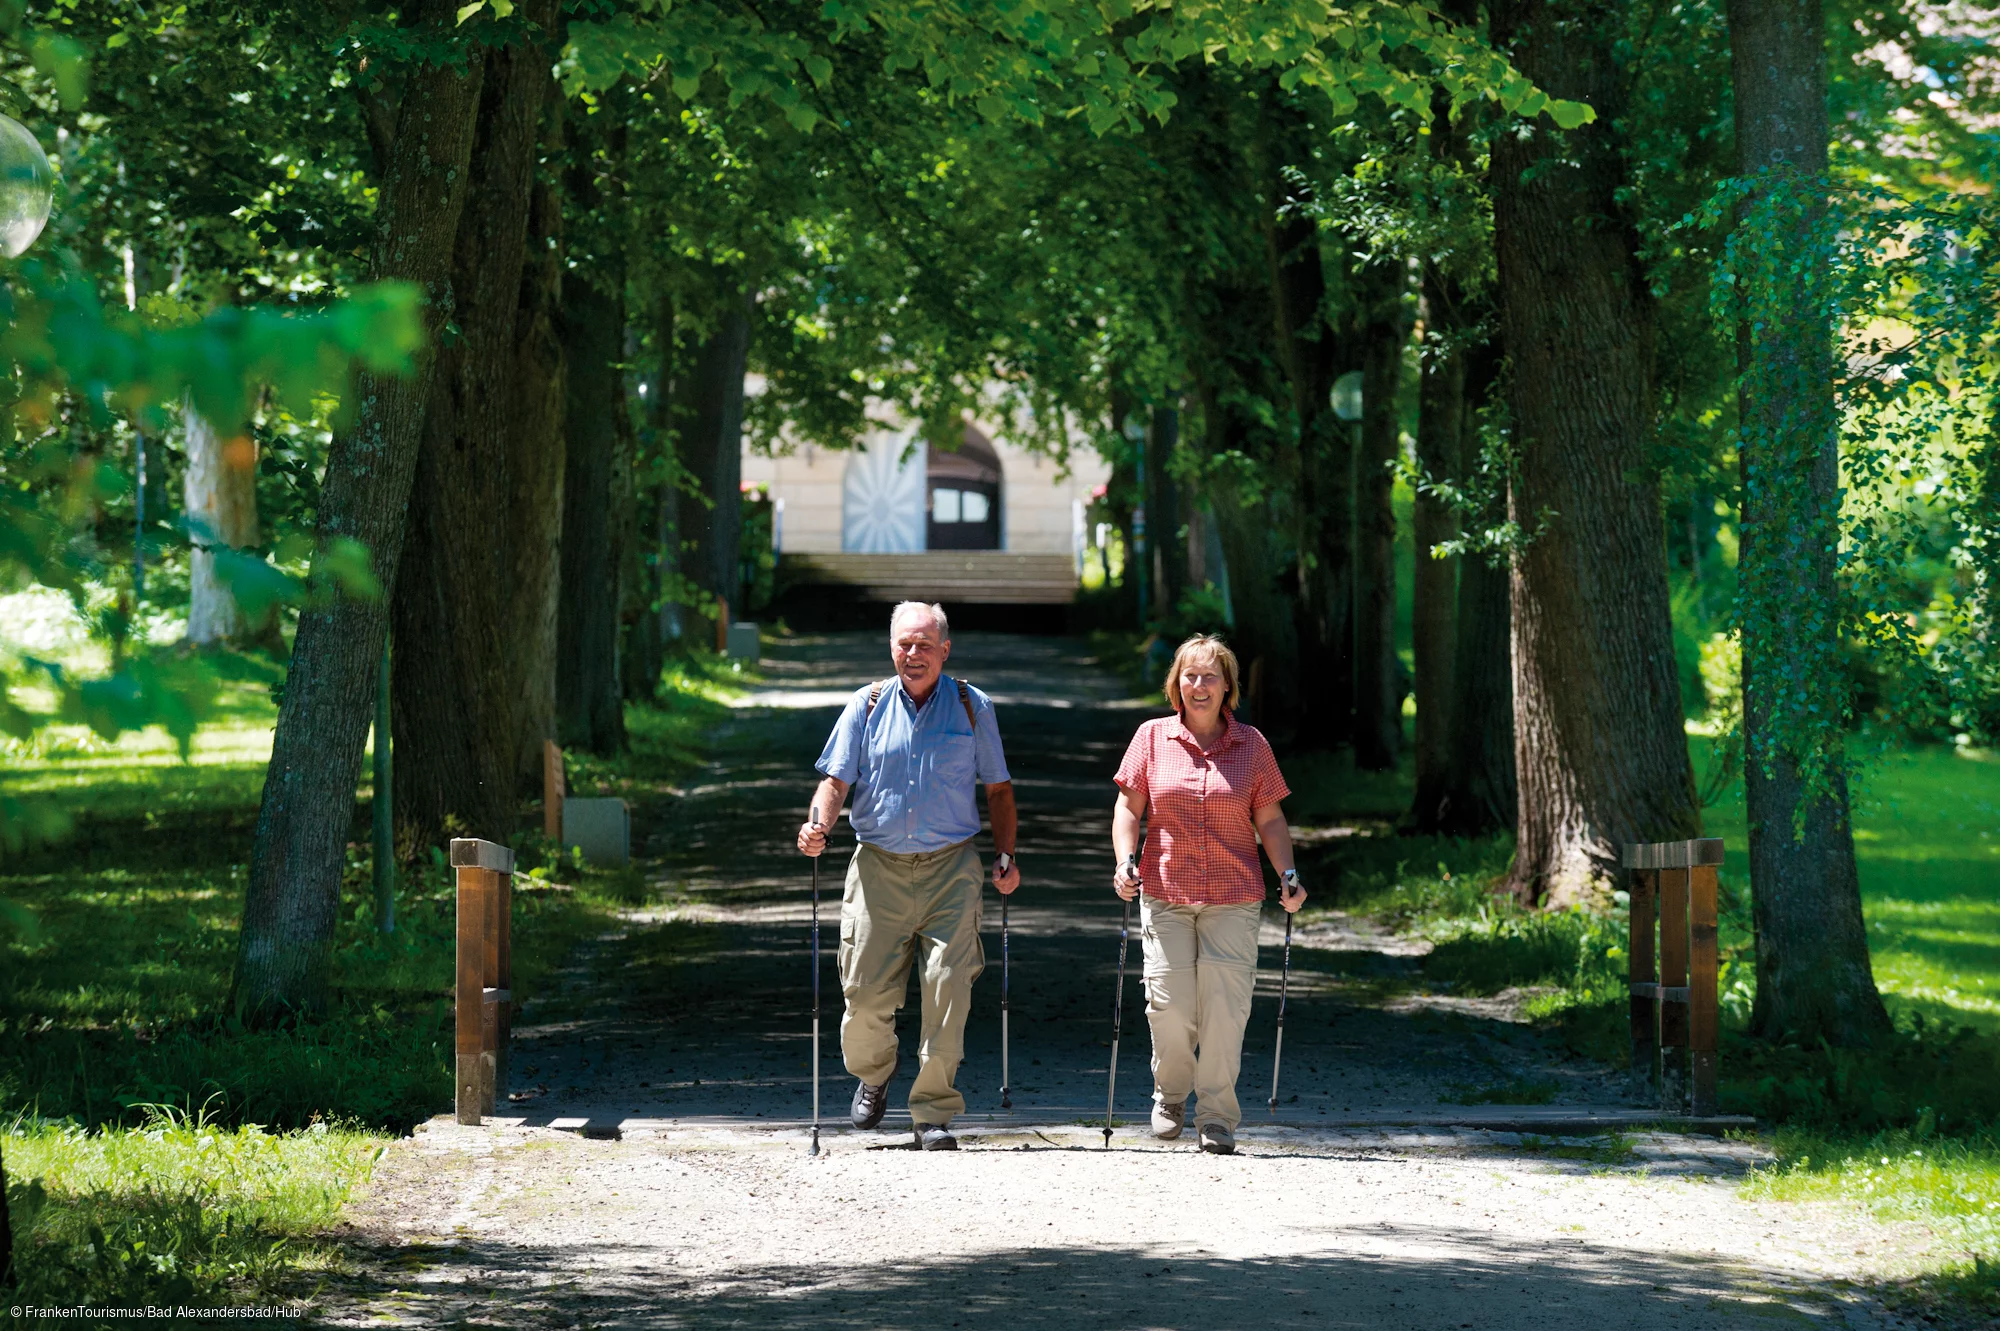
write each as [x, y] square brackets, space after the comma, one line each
[1674, 1011]
[485, 973]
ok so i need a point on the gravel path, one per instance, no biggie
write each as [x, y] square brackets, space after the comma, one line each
[652, 1168]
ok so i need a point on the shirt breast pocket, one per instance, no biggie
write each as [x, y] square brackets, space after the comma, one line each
[957, 757]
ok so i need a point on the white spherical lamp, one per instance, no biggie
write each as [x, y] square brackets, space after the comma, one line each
[27, 187]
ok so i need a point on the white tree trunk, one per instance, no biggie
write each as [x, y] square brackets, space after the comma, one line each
[221, 502]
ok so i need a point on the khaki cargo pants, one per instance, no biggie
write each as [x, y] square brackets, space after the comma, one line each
[896, 906]
[1201, 968]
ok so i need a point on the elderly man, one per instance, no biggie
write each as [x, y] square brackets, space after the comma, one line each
[913, 748]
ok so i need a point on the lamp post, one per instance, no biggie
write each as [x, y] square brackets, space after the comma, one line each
[27, 188]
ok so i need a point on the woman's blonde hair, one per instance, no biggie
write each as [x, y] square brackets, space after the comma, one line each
[1204, 646]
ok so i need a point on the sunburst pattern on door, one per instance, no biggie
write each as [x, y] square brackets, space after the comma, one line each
[882, 499]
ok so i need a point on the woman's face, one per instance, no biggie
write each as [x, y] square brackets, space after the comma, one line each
[1202, 688]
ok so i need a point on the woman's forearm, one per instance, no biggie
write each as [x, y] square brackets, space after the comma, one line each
[1276, 834]
[1124, 831]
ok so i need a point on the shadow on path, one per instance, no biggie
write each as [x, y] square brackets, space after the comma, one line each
[703, 1010]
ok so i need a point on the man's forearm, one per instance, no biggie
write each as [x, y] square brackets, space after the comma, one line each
[1006, 820]
[828, 799]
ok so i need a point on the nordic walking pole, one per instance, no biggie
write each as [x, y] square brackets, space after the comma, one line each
[1118, 1009]
[1006, 1102]
[1284, 987]
[814, 1148]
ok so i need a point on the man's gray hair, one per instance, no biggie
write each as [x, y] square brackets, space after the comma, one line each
[935, 613]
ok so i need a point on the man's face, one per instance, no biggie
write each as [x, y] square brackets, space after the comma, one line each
[918, 653]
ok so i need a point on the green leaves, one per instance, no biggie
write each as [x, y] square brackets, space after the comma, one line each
[64, 341]
[501, 9]
[62, 60]
[1105, 62]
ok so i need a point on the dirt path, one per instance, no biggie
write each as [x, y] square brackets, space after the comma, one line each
[653, 1170]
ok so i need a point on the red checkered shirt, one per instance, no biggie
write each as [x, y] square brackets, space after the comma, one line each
[1201, 845]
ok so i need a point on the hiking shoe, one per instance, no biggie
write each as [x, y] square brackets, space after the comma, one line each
[1168, 1120]
[1217, 1139]
[871, 1101]
[935, 1137]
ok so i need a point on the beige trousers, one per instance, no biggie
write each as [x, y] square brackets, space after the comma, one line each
[896, 906]
[1201, 968]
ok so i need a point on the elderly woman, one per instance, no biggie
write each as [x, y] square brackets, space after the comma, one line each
[1208, 787]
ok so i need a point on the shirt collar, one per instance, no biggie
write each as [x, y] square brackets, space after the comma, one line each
[1180, 731]
[915, 706]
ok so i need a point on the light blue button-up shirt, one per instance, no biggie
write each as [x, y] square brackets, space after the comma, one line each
[914, 769]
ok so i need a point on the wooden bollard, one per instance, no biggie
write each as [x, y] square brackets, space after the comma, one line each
[555, 789]
[484, 1015]
[1674, 881]
[1644, 973]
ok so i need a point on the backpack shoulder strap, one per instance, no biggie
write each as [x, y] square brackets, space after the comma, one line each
[965, 701]
[874, 696]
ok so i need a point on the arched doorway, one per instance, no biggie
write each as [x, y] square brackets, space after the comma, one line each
[882, 500]
[963, 499]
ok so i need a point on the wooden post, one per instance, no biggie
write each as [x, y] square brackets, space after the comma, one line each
[554, 790]
[1673, 987]
[722, 626]
[1704, 1019]
[485, 909]
[1679, 879]
[1643, 980]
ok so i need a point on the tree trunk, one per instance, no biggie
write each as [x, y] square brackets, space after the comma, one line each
[656, 557]
[1814, 980]
[1239, 368]
[1601, 754]
[219, 489]
[1434, 594]
[474, 690]
[1378, 691]
[302, 824]
[1477, 796]
[1324, 466]
[1163, 512]
[589, 703]
[710, 407]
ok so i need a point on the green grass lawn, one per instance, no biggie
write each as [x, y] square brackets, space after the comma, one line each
[157, 1150]
[1905, 1132]
[1927, 836]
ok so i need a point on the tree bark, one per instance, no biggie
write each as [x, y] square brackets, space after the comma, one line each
[302, 823]
[710, 407]
[589, 702]
[1477, 796]
[474, 690]
[219, 493]
[1324, 466]
[1238, 368]
[1434, 593]
[1814, 979]
[1600, 749]
[1378, 692]
[1163, 512]
[656, 556]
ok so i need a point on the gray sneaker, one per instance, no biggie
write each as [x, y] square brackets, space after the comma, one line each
[1217, 1139]
[1168, 1120]
[871, 1101]
[935, 1137]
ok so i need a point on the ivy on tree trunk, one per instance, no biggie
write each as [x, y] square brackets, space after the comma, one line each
[1814, 979]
